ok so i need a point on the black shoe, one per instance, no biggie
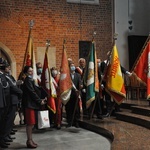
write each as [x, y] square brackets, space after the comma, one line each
[7, 143]
[12, 138]
[107, 115]
[7, 139]
[68, 125]
[99, 117]
[76, 125]
[3, 144]
[12, 132]
[9, 136]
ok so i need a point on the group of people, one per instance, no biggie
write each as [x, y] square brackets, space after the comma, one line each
[10, 95]
[29, 94]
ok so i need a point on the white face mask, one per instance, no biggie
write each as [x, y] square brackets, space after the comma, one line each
[30, 76]
[99, 64]
[54, 72]
[72, 68]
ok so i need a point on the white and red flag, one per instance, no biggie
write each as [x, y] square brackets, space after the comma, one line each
[142, 67]
[47, 84]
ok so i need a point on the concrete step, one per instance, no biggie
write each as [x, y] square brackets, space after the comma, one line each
[141, 120]
[141, 110]
[127, 105]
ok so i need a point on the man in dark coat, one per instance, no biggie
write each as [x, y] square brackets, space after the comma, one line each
[15, 95]
[72, 107]
[103, 72]
[4, 103]
[81, 69]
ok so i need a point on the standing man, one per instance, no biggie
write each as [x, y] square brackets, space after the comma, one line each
[4, 104]
[80, 69]
[72, 107]
[15, 96]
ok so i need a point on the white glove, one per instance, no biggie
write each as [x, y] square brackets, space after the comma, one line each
[128, 73]
[102, 86]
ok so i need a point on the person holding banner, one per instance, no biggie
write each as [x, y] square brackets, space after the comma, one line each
[81, 69]
[72, 107]
[105, 70]
[58, 116]
[31, 100]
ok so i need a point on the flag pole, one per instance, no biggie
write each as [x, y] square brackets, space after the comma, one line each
[77, 100]
[96, 97]
[108, 57]
[94, 34]
[46, 51]
[47, 46]
[105, 69]
[31, 24]
[94, 106]
[148, 38]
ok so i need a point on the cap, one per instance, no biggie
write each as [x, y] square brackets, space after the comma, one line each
[6, 64]
[2, 63]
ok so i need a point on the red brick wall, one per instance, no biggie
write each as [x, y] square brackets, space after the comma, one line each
[55, 20]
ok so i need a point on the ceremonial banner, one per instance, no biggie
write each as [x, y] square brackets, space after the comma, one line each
[91, 76]
[30, 59]
[114, 80]
[65, 82]
[142, 67]
[47, 84]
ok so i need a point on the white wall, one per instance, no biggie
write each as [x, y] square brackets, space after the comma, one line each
[121, 28]
[140, 16]
[138, 12]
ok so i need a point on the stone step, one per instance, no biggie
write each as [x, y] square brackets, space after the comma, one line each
[127, 105]
[142, 110]
[137, 119]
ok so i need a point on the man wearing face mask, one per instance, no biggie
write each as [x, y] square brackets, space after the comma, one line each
[80, 69]
[72, 104]
[58, 115]
[39, 71]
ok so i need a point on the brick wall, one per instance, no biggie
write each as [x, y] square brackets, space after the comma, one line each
[55, 20]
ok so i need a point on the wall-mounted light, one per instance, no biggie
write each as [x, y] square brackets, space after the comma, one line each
[130, 22]
[130, 25]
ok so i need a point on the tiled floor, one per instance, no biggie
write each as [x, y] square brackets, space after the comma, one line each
[127, 136]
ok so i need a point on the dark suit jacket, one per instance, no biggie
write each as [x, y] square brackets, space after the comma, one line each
[31, 98]
[77, 80]
[15, 92]
[2, 97]
[6, 89]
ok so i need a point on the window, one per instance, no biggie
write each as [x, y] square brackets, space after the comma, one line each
[92, 2]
